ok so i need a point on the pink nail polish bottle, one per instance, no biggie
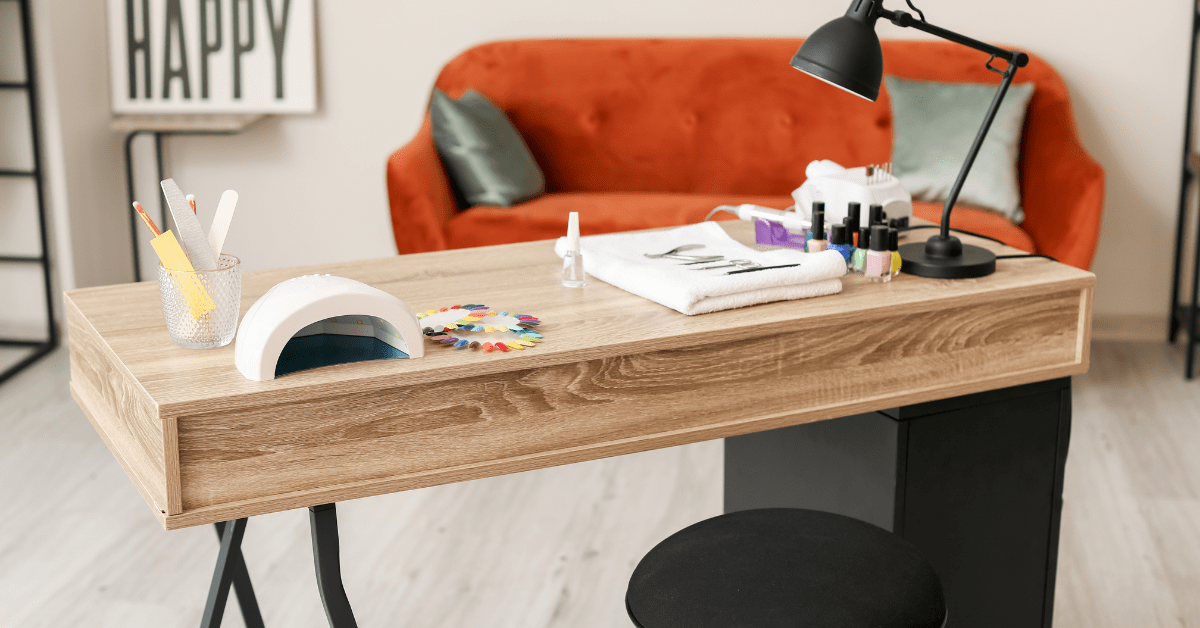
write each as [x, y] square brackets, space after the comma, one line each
[878, 266]
[817, 242]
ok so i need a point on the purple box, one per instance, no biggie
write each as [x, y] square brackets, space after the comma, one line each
[775, 234]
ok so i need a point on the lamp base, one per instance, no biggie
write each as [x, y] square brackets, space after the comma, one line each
[974, 261]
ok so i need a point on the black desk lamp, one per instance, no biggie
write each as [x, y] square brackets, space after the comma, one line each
[846, 53]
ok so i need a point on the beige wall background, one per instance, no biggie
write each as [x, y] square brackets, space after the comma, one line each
[312, 187]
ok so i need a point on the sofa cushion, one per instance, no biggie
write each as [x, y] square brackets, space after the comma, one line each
[546, 217]
[935, 125]
[484, 153]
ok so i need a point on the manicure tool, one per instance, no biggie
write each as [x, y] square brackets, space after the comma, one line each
[191, 234]
[738, 263]
[173, 258]
[684, 247]
[751, 270]
[696, 259]
[220, 223]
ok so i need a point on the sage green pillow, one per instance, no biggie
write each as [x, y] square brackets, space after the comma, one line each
[487, 160]
[934, 125]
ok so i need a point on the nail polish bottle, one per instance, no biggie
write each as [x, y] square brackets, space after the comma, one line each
[572, 270]
[837, 242]
[875, 214]
[859, 261]
[894, 247]
[817, 206]
[853, 213]
[878, 266]
[816, 242]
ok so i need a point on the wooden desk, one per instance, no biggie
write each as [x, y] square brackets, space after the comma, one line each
[617, 374]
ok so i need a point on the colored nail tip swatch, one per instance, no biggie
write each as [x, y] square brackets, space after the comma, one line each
[501, 328]
[474, 344]
[524, 342]
[489, 329]
[445, 309]
[461, 343]
[455, 307]
[427, 330]
[488, 348]
[515, 346]
[501, 346]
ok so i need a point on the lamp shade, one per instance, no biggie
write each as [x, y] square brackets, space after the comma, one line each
[845, 52]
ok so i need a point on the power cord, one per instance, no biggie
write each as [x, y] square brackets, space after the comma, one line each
[980, 235]
[1026, 255]
[722, 208]
[912, 6]
[970, 233]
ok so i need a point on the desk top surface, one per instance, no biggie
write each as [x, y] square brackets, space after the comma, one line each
[616, 374]
[597, 321]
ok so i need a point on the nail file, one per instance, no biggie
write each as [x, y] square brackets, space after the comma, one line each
[220, 223]
[190, 234]
[173, 258]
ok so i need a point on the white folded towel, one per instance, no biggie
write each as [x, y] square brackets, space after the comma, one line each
[619, 259]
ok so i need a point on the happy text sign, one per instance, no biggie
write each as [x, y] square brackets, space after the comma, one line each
[212, 56]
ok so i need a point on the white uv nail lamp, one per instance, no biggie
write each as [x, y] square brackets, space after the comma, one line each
[319, 320]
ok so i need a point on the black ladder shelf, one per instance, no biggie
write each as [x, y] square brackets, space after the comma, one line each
[37, 348]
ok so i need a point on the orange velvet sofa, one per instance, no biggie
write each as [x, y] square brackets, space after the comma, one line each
[642, 133]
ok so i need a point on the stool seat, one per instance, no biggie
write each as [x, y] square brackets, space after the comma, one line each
[784, 567]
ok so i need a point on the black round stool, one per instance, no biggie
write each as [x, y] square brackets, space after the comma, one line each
[784, 567]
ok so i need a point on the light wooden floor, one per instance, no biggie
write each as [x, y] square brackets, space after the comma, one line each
[555, 547]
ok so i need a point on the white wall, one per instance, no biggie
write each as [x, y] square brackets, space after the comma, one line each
[312, 187]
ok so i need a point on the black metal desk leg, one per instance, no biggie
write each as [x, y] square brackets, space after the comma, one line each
[218, 591]
[323, 521]
[241, 584]
[162, 196]
[133, 219]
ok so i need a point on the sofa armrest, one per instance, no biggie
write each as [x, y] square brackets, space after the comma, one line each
[1062, 190]
[419, 193]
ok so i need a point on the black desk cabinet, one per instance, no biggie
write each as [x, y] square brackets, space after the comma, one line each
[975, 482]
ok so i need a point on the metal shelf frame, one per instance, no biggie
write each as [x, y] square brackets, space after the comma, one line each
[39, 348]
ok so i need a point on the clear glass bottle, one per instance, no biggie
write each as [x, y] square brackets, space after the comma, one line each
[572, 275]
[572, 272]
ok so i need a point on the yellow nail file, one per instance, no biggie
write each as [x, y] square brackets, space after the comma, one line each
[173, 258]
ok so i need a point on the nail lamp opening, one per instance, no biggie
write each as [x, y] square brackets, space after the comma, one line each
[319, 320]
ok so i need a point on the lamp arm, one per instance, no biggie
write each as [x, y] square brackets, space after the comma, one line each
[1015, 60]
[974, 152]
[905, 20]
